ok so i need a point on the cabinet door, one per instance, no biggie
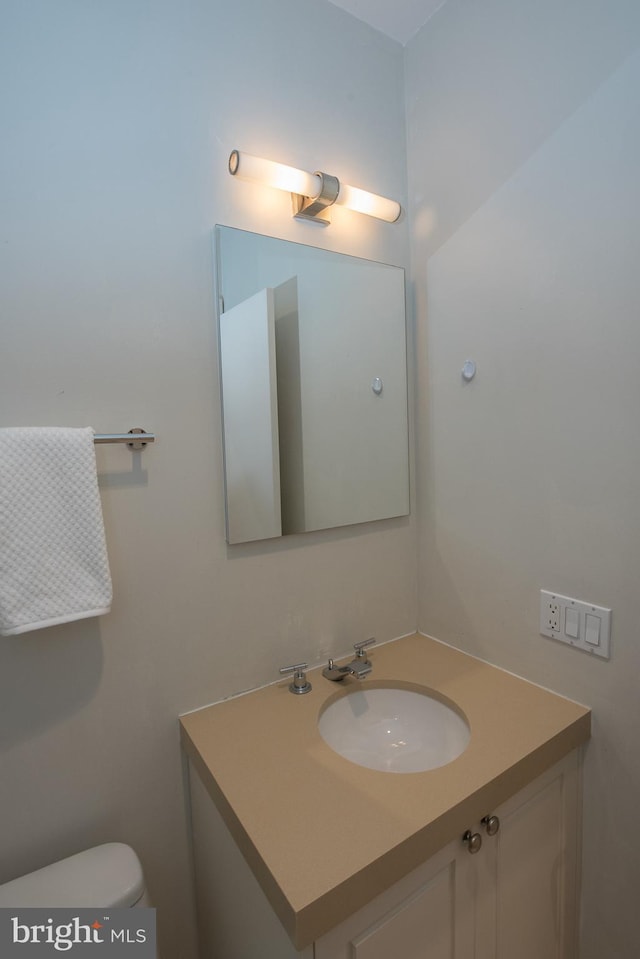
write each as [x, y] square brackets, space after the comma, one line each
[528, 871]
[426, 915]
[517, 897]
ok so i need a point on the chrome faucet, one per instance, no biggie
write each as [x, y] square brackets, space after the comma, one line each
[358, 667]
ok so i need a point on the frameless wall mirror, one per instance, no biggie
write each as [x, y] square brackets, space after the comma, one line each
[314, 387]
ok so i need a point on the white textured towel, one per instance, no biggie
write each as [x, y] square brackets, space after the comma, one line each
[53, 554]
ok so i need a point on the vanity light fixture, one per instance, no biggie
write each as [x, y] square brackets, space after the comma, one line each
[313, 194]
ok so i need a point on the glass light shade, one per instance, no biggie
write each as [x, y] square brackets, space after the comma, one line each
[273, 174]
[370, 203]
[312, 186]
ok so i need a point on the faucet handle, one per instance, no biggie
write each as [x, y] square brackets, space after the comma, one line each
[360, 647]
[300, 683]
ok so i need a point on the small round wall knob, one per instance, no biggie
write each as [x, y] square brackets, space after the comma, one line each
[473, 841]
[491, 824]
[468, 371]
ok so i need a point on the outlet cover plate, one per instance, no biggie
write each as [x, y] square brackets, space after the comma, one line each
[587, 627]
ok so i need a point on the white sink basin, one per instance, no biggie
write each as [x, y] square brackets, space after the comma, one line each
[393, 729]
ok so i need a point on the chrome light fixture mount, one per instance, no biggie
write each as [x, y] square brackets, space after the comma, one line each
[317, 209]
[312, 194]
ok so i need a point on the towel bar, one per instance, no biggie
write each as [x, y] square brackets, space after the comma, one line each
[138, 443]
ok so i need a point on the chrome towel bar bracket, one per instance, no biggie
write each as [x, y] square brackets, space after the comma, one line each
[142, 438]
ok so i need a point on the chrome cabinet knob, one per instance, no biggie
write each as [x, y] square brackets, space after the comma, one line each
[299, 684]
[491, 824]
[473, 841]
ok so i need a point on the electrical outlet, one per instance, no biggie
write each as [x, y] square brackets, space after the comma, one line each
[551, 614]
[581, 625]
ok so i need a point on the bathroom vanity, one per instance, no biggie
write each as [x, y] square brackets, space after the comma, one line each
[301, 852]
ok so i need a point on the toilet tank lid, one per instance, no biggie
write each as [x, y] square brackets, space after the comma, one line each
[104, 876]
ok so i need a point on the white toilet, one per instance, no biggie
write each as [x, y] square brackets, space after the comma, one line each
[107, 876]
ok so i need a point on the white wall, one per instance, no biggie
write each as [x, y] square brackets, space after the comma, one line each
[524, 136]
[117, 121]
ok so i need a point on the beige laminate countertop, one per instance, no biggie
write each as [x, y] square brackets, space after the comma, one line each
[323, 835]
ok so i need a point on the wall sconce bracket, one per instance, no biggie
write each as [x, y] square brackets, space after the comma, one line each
[317, 209]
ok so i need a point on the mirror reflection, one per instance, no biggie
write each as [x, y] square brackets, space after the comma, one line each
[314, 387]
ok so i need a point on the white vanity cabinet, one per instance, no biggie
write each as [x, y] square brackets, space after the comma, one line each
[516, 896]
[332, 860]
